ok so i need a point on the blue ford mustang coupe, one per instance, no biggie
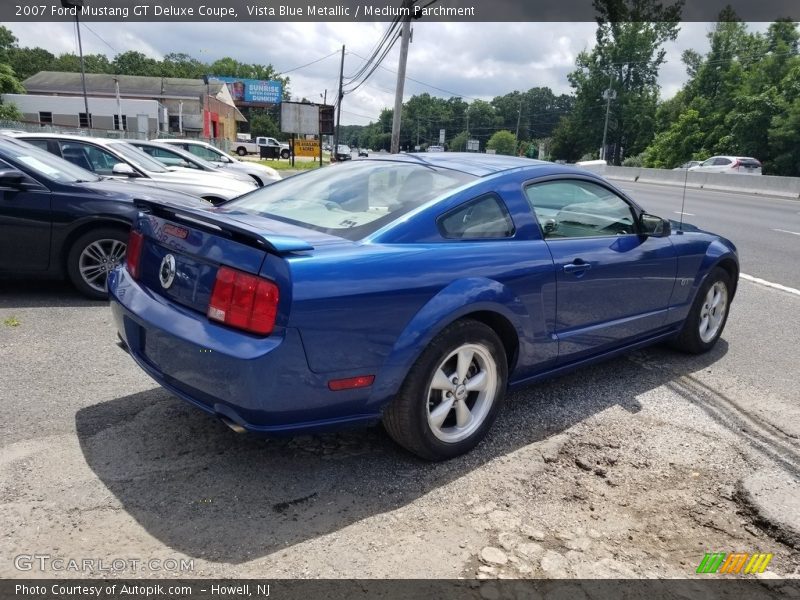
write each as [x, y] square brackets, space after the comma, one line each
[408, 289]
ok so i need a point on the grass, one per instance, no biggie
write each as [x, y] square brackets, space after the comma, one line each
[299, 165]
[12, 321]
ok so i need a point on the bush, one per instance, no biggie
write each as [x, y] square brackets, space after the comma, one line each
[503, 142]
[634, 161]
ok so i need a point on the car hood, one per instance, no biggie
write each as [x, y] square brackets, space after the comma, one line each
[128, 191]
[254, 168]
[204, 179]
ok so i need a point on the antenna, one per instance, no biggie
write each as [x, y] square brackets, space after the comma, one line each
[683, 200]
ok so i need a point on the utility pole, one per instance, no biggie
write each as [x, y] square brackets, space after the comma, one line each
[119, 104]
[339, 106]
[519, 117]
[401, 78]
[83, 71]
[608, 95]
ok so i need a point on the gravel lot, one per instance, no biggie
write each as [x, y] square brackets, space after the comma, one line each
[633, 468]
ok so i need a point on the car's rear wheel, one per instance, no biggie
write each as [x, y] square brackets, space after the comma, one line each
[92, 257]
[708, 315]
[241, 151]
[451, 395]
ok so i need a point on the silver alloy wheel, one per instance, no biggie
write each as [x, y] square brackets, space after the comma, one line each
[98, 259]
[712, 314]
[461, 392]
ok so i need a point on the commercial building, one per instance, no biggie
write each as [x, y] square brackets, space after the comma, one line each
[191, 107]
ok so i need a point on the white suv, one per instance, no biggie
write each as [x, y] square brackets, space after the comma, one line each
[729, 164]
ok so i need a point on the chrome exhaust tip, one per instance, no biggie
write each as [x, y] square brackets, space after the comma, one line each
[233, 426]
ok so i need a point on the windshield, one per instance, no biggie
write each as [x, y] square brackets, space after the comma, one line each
[138, 158]
[45, 164]
[352, 200]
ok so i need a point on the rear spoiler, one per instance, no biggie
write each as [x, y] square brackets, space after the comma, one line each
[223, 225]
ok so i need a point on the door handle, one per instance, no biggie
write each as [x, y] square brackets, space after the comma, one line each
[577, 266]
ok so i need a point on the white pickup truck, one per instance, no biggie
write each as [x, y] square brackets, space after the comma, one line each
[244, 145]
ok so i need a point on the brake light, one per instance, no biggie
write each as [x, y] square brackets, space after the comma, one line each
[244, 301]
[134, 252]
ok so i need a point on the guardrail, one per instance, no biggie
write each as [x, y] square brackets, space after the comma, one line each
[761, 185]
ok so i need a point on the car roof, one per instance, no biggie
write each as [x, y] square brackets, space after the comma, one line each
[182, 141]
[480, 165]
[71, 136]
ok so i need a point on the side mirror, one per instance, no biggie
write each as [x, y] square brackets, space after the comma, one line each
[124, 169]
[11, 178]
[653, 226]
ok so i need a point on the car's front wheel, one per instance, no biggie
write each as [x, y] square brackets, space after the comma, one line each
[708, 315]
[452, 394]
[92, 257]
[284, 154]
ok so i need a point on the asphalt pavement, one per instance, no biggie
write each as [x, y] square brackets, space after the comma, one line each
[766, 230]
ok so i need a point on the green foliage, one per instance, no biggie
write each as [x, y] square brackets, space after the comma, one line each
[740, 99]
[9, 84]
[459, 143]
[262, 124]
[503, 142]
[634, 161]
[627, 57]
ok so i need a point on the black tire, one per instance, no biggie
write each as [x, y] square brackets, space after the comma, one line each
[284, 154]
[241, 151]
[82, 254]
[690, 339]
[406, 417]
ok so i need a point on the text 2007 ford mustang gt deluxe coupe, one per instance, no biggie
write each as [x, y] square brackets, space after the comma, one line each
[410, 289]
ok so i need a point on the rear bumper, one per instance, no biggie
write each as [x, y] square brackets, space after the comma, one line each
[262, 385]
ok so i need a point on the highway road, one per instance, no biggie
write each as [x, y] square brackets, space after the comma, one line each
[765, 230]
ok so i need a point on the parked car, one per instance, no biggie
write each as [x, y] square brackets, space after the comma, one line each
[343, 152]
[243, 147]
[57, 219]
[261, 174]
[363, 152]
[117, 158]
[414, 289]
[172, 156]
[729, 164]
[687, 165]
[435, 149]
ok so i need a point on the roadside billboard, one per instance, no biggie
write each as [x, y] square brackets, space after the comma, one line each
[252, 92]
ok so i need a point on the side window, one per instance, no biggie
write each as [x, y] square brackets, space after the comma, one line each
[89, 157]
[483, 218]
[570, 209]
[721, 162]
[39, 143]
[203, 152]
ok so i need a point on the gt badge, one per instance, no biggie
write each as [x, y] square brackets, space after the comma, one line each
[166, 272]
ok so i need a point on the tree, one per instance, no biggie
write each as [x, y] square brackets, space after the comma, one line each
[29, 61]
[9, 84]
[503, 142]
[459, 142]
[627, 58]
[262, 124]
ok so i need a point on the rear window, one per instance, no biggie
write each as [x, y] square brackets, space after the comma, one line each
[350, 200]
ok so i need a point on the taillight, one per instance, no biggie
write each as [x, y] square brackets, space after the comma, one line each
[244, 301]
[134, 253]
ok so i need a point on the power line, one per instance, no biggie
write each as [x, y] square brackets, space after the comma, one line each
[97, 35]
[313, 62]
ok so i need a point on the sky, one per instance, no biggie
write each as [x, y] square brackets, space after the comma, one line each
[470, 60]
